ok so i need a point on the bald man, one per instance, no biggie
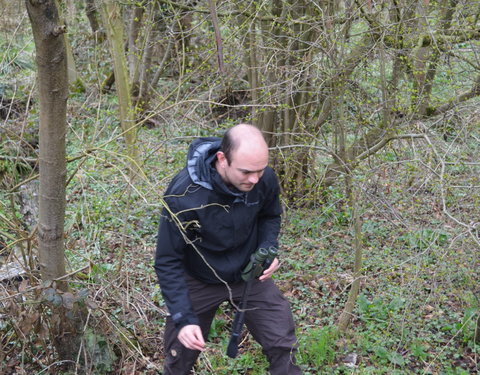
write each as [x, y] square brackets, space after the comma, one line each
[221, 208]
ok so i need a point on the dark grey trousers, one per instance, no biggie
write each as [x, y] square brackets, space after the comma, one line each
[268, 318]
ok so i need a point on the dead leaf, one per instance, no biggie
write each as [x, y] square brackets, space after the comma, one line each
[23, 286]
[91, 304]
[68, 300]
[429, 308]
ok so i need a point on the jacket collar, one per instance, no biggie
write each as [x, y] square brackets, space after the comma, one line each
[201, 158]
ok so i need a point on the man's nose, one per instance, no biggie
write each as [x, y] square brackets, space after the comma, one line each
[253, 178]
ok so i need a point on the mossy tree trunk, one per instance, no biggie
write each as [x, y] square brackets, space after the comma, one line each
[114, 26]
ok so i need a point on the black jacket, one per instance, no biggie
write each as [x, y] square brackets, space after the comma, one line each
[211, 224]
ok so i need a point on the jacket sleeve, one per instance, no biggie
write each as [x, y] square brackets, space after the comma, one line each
[171, 272]
[269, 218]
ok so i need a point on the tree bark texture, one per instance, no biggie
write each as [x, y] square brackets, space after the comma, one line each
[92, 14]
[48, 32]
[477, 330]
[135, 47]
[347, 313]
[53, 91]
[112, 18]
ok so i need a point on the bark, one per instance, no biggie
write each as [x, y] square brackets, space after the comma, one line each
[472, 93]
[347, 313]
[218, 40]
[268, 116]
[477, 330]
[108, 83]
[53, 91]
[285, 89]
[145, 69]
[113, 21]
[421, 65]
[48, 33]
[427, 56]
[282, 80]
[91, 11]
[151, 43]
[165, 53]
[364, 147]
[73, 77]
[134, 49]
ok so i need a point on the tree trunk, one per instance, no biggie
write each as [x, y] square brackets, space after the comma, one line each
[151, 44]
[53, 91]
[347, 313]
[477, 330]
[73, 76]
[91, 11]
[113, 22]
[219, 43]
[135, 47]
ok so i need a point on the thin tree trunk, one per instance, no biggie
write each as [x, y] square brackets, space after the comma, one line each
[427, 57]
[151, 46]
[161, 67]
[218, 41]
[73, 77]
[134, 47]
[53, 92]
[66, 329]
[91, 11]
[347, 313]
[115, 34]
[145, 70]
[108, 82]
[477, 330]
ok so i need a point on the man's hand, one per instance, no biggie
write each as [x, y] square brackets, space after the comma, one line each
[191, 337]
[270, 270]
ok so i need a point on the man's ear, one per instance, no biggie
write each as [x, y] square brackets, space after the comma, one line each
[221, 159]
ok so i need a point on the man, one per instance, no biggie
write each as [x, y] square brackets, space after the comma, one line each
[221, 208]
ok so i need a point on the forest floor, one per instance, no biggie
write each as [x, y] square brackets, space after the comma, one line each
[418, 304]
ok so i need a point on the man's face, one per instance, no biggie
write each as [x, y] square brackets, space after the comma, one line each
[245, 168]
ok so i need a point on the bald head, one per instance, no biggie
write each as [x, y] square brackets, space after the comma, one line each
[243, 157]
[244, 138]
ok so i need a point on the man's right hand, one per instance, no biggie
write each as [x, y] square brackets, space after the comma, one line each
[191, 337]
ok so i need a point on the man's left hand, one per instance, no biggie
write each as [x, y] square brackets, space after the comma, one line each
[270, 270]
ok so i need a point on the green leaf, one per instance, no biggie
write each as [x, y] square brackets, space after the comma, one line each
[396, 358]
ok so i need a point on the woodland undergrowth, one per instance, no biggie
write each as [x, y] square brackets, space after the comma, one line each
[418, 199]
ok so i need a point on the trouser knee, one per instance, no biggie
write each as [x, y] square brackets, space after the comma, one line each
[179, 360]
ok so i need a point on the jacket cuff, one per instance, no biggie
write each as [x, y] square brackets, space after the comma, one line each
[181, 320]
